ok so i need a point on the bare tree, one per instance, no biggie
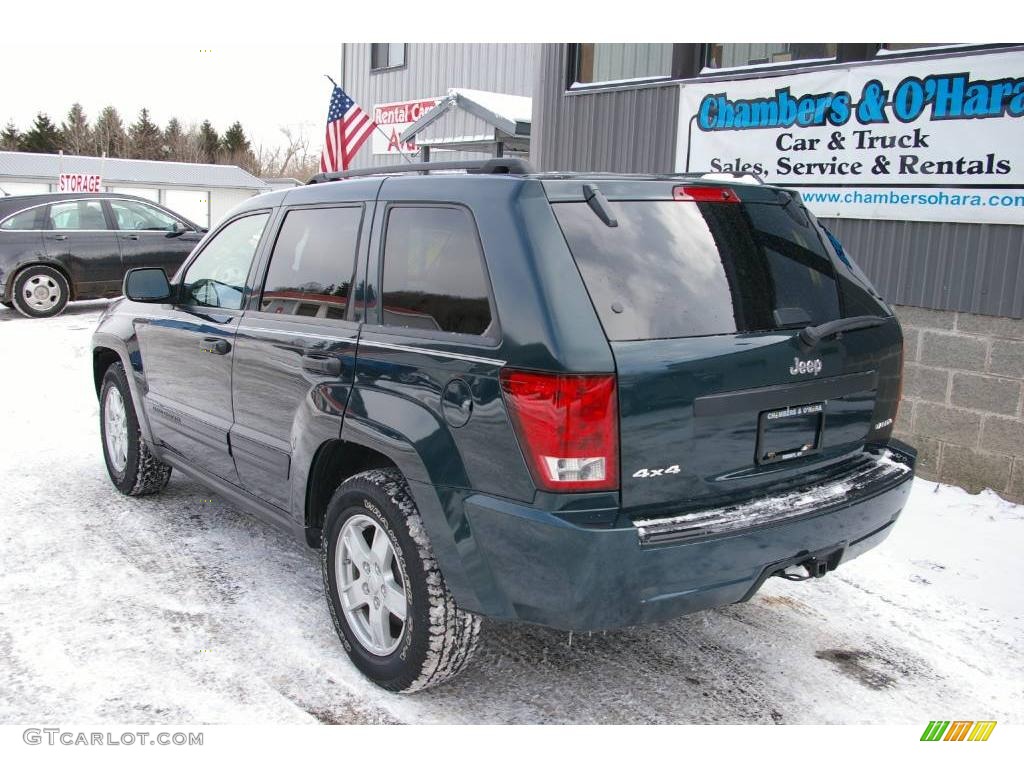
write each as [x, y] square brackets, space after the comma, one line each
[294, 158]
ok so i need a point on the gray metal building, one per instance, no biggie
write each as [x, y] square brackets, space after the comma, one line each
[377, 75]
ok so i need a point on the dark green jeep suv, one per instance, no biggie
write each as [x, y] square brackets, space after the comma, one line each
[580, 400]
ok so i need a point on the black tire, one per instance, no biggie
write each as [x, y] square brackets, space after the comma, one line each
[47, 277]
[439, 638]
[143, 473]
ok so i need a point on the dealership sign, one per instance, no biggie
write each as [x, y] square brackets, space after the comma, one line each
[79, 182]
[924, 140]
[393, 119]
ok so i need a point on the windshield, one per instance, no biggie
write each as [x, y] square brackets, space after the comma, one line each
[680, 268]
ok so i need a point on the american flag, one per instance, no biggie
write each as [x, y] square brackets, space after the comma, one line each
[347, 128]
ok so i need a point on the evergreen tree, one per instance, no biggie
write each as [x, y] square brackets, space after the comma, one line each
[109, 135]
[173, 141]
[144, 138]
[236, 145]
[209, 141]
[43, 136]
[10, 138]
[235, 140]
[75, 134]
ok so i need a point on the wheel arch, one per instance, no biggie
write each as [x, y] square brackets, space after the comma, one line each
[333, 463]
[107, 350]
[337, 460]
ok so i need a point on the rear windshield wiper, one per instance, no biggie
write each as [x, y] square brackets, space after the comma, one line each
[599, 204]
[812, 334]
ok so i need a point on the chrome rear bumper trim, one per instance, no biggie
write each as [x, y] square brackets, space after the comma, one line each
[883, 471]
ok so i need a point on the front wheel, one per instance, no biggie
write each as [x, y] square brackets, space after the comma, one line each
[40, 291]
[388, 600]
[133, 469]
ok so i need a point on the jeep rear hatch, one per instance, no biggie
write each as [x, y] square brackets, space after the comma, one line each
[703, 292]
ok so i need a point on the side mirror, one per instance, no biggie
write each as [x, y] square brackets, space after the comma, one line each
[147, 284]
[179, 228]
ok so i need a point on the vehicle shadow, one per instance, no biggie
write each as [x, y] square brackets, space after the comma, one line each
[10, 314]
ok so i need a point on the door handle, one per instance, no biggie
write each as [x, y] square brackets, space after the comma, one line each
[215, 346]
[129, 237]
[328, 366]
[60, 237]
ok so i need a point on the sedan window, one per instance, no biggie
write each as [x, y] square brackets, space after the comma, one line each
[80, 215]
[130, 215]
[22, 221]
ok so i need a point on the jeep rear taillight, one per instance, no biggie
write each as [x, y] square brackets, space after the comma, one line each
[568, 427]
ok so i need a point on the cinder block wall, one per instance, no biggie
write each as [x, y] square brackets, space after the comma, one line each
[962, 398]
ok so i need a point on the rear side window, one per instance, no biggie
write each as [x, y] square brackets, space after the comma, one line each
[313, 263]
[23, 220]
[79, 215]
[434, 271]
[681, 268]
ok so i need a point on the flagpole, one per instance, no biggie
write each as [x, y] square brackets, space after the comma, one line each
[401, 154]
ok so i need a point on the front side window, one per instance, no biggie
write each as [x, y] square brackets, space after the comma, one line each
[609, 62]
[313, 263]
[387, 55]
[23, 220]
[141, 217]
[217, 277]
[725, 55]
[77, 215]
[434, 271]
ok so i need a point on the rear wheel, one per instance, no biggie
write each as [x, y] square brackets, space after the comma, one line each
[133, 469]
[388, 600]
[40, 291]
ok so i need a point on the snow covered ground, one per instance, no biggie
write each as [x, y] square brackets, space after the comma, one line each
[178, 609]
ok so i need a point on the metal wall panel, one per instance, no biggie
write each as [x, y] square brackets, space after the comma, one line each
[975, 268]
[430, 70]
[629, 130]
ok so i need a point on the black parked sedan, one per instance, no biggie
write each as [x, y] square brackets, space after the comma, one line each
[57, 248]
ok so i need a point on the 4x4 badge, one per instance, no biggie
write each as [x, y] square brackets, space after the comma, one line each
[806, 366]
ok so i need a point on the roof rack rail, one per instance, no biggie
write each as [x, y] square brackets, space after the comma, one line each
[496, 165]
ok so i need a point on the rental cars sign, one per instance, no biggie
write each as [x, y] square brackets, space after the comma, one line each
[393, 118]
[79, 182]
[919, 140]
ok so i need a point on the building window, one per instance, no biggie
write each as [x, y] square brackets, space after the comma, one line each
[613, 62]
[386, 55]
[887, 48]
[734, 55]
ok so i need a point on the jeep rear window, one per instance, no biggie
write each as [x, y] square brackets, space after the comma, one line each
[679, 268]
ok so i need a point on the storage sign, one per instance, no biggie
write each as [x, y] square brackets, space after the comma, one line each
[925, 140]
[393, 119]
[80, 182]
